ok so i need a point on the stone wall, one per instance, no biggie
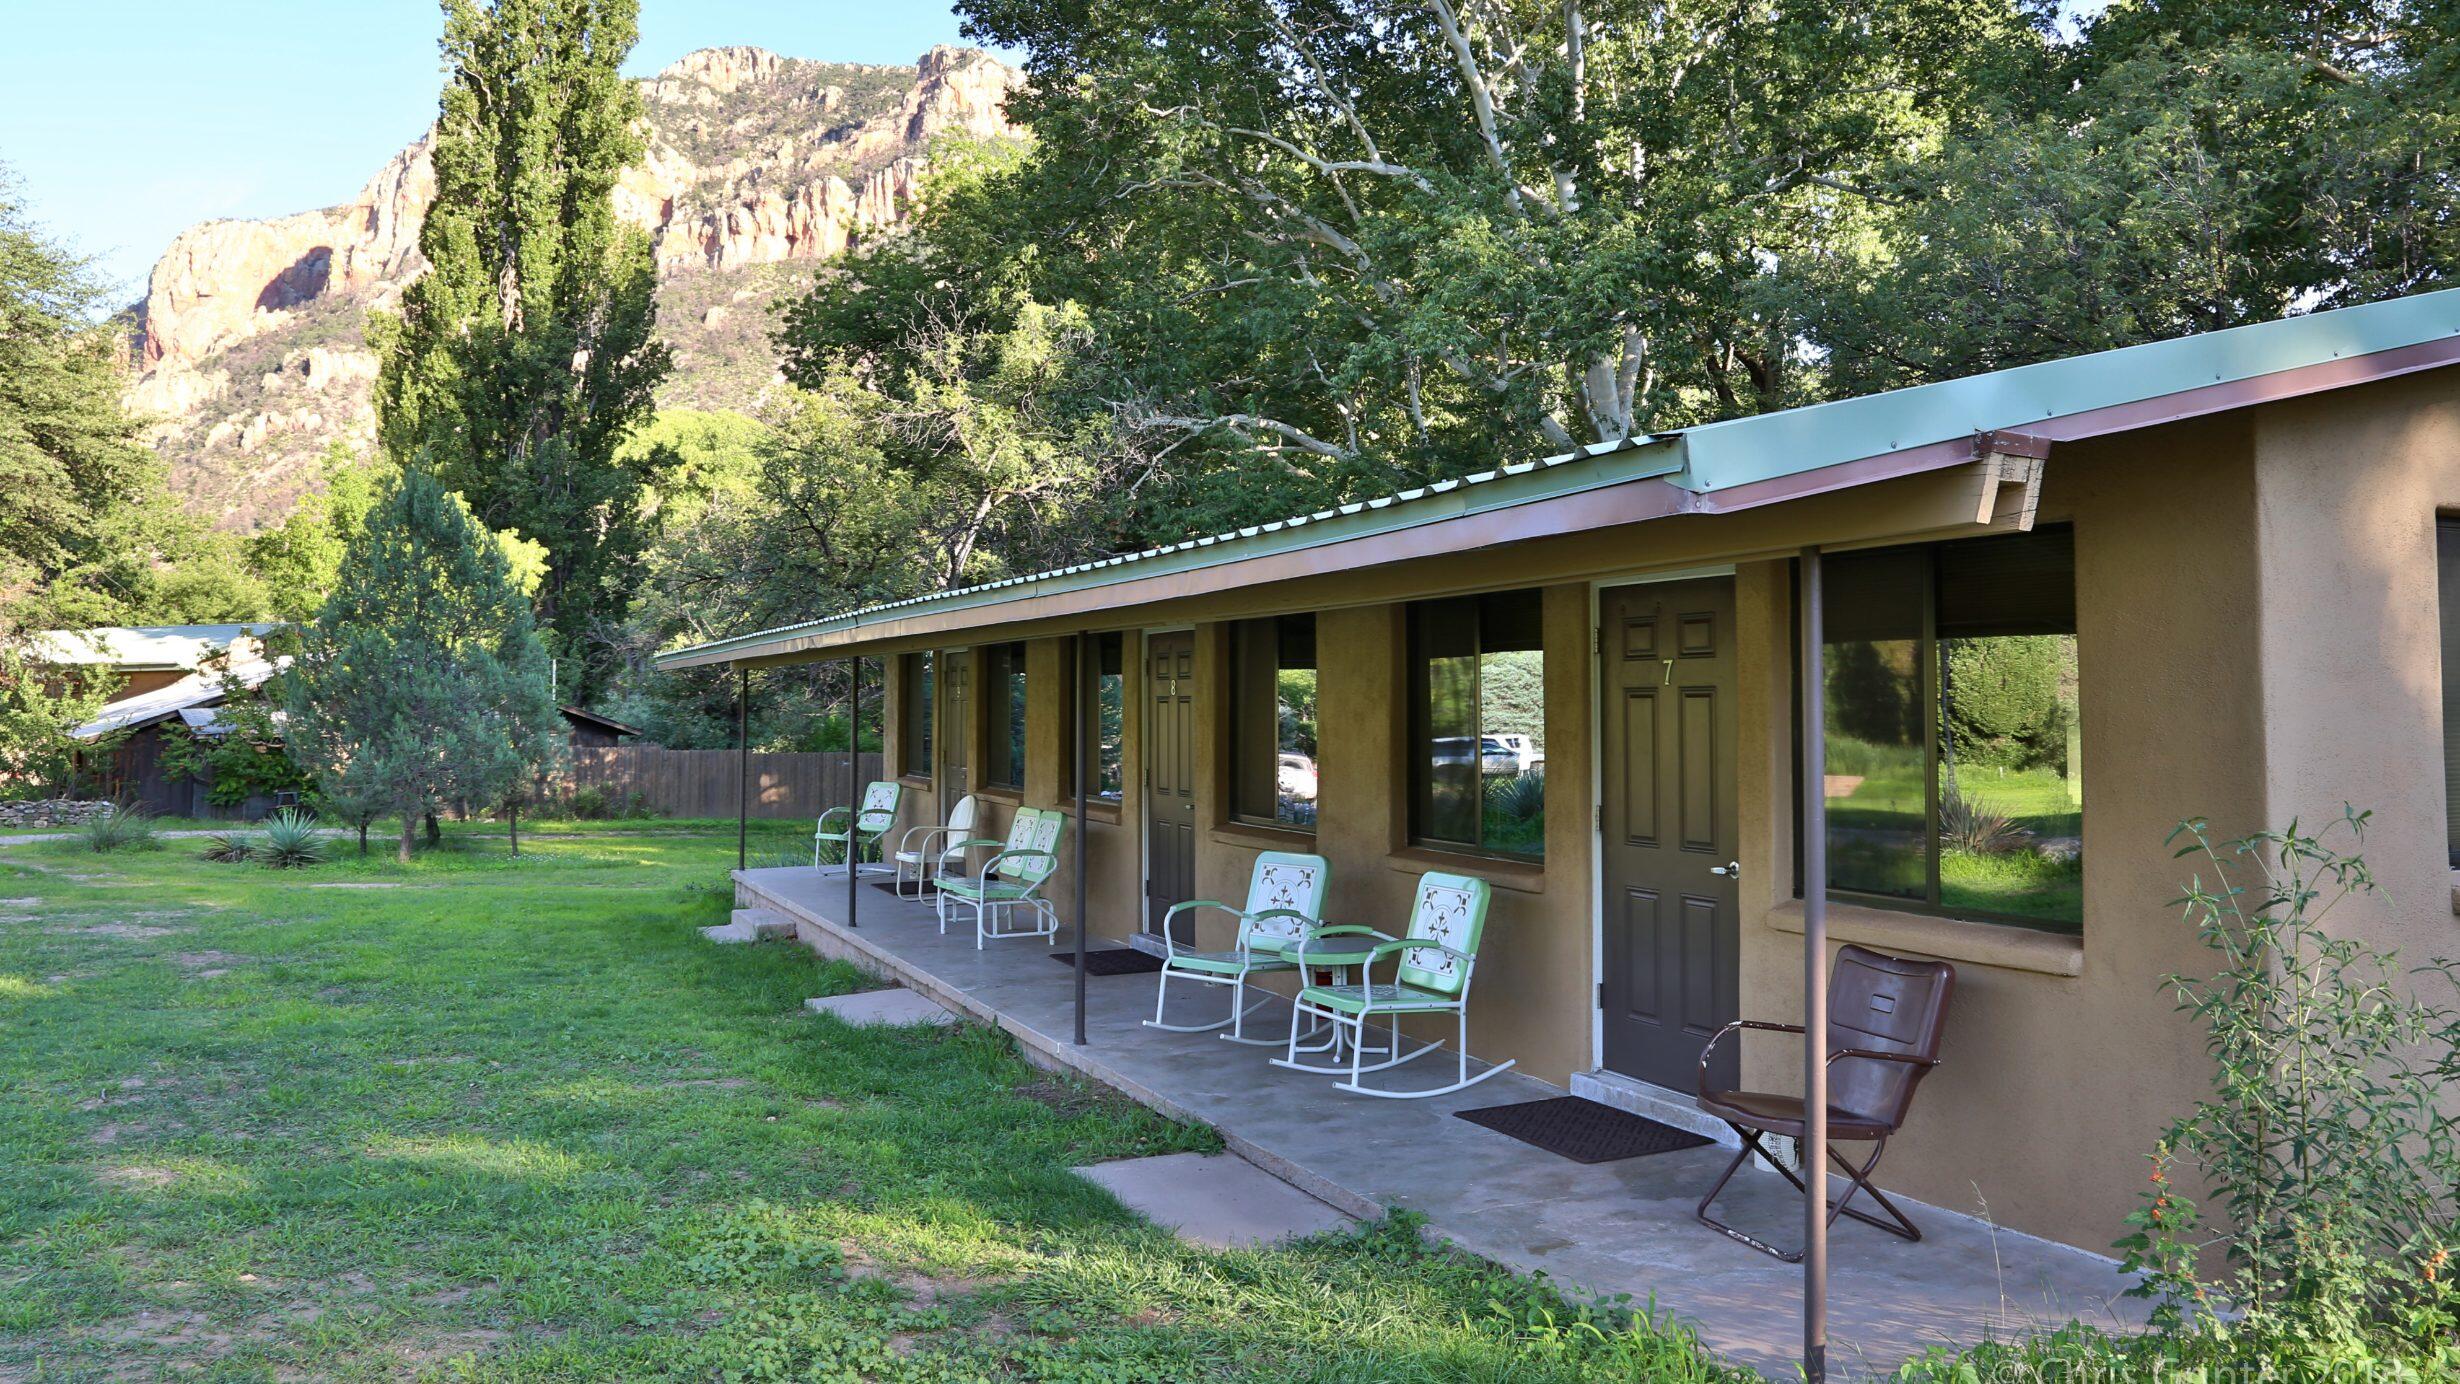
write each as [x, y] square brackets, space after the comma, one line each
[50, 812]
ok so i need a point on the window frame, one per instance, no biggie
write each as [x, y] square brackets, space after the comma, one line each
[1090, 703]
[917, 741]
[1418, 733]
[1005, 754]
[1241, 812]
[1927, 663]
[2447, 630]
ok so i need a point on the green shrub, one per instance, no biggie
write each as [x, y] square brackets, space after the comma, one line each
[229, 847]
[1972, 825]
[589, 805]
[291, 841]
[122, 828]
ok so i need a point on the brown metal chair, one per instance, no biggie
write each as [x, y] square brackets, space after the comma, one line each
[1885, 1017]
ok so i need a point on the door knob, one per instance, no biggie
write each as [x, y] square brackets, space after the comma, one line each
[1732, 869]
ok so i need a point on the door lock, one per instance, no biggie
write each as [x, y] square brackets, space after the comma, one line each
[1732, 869]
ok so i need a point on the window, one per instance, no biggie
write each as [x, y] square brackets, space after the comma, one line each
[1272, 721]
[914, 729]
[1004, 736]
[1477, 694]
[1105, 709]
[1955, 773]
[2447, 562]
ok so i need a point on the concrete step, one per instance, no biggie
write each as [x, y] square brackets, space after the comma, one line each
[1636, 1097]
[1216, 1199]
[750, 925]
[890, 1008]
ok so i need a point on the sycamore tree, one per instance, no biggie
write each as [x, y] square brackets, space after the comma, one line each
[2184, 166]
[1448, 232]
[526, 354]
[422, 682]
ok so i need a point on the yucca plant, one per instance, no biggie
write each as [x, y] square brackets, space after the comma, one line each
[120, 829]
[229, 847]
[290, 841]
[1974, 826]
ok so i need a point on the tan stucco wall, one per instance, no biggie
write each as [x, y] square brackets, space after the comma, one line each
[2346, 495]
[2054, 1087]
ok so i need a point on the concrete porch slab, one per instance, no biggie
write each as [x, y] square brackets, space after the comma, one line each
[1599, 1229]
[883, 1008]
[1216, 1199]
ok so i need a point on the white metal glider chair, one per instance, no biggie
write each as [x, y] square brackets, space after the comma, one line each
[1285, 897]
[1431, 972]
[914, 849]
[1012, 880]
[872, 821]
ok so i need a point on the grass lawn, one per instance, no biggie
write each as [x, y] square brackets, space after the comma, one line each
[486, 1118]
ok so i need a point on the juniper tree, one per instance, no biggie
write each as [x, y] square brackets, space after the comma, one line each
[422, 682]
[525, 354]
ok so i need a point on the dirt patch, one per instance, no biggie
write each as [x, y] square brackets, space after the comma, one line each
[137, 1177]
[363, 884]
[131, 932]
[707, 1083]
[205, 965]
[1063, 1097]
[926, 1290]
[112, 1133]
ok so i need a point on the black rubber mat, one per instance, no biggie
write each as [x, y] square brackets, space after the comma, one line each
[1583, 1130]
[1112, 961]
[890, 886]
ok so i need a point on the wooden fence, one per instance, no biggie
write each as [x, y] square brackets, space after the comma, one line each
[702, 783]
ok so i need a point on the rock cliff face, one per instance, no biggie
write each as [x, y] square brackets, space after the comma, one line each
[250, 345]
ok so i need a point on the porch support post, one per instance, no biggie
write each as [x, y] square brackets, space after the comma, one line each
[1084, 828]
[1814, 1151]
[854, 776]
[743, 764]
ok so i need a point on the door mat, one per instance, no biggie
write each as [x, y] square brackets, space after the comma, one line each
[1112, 961]
[906, 891]
[1583, 1130]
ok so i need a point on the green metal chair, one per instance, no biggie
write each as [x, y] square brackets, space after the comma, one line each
[1285, 897]
[1432, 966]
[1012, 879]
[872, 821]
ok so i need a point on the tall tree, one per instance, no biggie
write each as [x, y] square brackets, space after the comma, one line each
[1441, 233]
[74, 480]
[526, 353]
[422, 682]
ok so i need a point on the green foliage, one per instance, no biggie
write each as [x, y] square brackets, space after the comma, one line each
[2004, 702]
[526, 353]
[1976, 827]
[40, 703]
[123, 828]
[2189, 165]
[232, 847]
[245, 759]
[290, 840]
[2323, 1144]
[422, 682]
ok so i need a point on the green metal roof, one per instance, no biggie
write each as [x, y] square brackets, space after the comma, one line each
[1739, 452]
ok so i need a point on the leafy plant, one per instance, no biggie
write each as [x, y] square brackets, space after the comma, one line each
[1970, 824]
[121, 828]
[229, 847]
[2322, 1143]
[291, 841]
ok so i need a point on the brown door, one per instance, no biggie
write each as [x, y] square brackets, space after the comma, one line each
[1672, 937]
[1170, 774]
[954, 669]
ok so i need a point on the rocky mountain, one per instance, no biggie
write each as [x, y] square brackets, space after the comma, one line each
[250, 347]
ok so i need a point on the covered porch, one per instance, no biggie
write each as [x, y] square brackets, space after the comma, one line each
[1603, 1229]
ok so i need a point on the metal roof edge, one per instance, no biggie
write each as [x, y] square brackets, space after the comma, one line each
[1764, 446]
[1735, 453]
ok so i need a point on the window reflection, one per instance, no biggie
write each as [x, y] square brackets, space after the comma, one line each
[1479, 723]
[1273, 721]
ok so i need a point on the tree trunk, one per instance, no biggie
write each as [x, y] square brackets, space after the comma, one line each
[435, 833]
[513, 816]
[409, 834]
[363, 838]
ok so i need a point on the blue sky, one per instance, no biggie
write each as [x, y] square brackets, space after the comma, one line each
[126, 121]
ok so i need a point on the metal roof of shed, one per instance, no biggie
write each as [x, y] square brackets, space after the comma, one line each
[1774, 456]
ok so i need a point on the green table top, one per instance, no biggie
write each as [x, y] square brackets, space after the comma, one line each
[1348, 949]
